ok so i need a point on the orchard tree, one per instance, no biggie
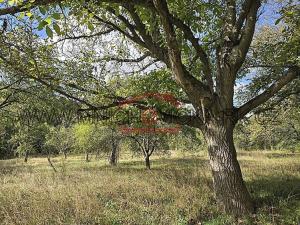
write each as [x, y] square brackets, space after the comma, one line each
[30, 138]
[271, 126]
[95, 138]
[205, 46]
[113, 138]
[61, 139]
[148, 143]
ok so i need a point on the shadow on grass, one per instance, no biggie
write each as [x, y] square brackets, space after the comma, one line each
[14, 167]
[276, 201]
[192, 172]
[159, 165]
[268, 154]
[271, 190]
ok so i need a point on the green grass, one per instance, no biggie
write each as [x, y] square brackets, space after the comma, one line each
[177, 190]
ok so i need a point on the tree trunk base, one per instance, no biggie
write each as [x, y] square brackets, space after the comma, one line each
[147, 162]
[232, 194]
[230, 190]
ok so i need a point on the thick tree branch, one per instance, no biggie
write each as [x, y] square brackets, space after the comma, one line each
[136, 60]
[184, 120]
[231, 11]
[240, 51]
[194, 88]
[134, 37]
[25, 6]
[291, 74]
[188, 34]
[157, 51]
[277, 101]
[84, 36]
[243, 14]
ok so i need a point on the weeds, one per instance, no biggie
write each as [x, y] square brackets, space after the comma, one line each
[176, 191]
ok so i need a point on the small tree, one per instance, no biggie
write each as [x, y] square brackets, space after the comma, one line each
[91, 138]
[147, 144]
[30, 139]
[60, 139]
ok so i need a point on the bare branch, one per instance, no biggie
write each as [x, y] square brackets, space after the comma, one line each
[84, 36]
[243, 14]
[291, 74]
[139, 59]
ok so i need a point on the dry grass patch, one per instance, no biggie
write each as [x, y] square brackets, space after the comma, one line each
[175, 191]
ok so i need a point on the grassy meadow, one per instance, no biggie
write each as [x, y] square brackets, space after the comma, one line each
[176, 191]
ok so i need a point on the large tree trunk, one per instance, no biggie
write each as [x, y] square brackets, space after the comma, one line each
[229, 186]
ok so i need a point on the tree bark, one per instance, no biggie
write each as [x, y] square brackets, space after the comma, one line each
[50, 163]
[26, 156]
[87, 157]
[230, 189]
[147, 162]
[113, 156]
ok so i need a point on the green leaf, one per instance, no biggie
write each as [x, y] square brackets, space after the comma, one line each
[31, 61]
[48, 20]
[90, 26]
[43, 10]
[56, 16]
[49, 32]
[22, 14]
[56, 28]
[29, 14]
[41, 25]
[278, 21]
[11, 2]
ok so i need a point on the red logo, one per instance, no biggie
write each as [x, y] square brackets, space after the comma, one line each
[149, 116]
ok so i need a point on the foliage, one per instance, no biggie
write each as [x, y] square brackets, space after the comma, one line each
[92, 138]
[187, 140]
[60, 139]
[278, 128]
[30, 139]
